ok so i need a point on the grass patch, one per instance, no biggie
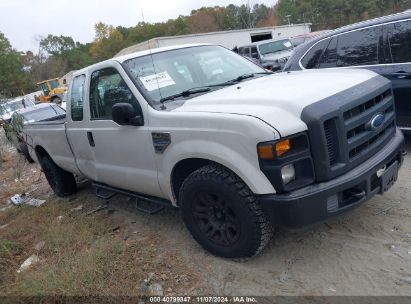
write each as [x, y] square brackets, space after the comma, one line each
[81, 254]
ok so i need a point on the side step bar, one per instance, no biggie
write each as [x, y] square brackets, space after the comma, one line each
[143, 203]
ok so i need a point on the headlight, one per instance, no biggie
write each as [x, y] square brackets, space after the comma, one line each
[287, 163]
[288, 173]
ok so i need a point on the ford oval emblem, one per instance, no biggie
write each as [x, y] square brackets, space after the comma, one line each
[376, 122]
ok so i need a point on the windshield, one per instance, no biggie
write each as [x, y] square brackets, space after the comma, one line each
[54, 84]
[43, 114]
[168, 73]
[275, 46]
[13, 106]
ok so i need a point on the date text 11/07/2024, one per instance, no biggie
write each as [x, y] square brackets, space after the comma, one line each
[202, 299]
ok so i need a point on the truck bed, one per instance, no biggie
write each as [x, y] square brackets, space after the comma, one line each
[52, 135]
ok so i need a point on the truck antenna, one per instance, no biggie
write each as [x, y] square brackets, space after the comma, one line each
[154, 68]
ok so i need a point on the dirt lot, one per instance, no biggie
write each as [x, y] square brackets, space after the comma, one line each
[365, 252]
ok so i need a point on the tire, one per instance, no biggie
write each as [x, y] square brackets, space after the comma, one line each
[222, 214]
[62, 182]
[25, 151]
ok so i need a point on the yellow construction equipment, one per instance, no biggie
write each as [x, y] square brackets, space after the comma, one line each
[52, 91]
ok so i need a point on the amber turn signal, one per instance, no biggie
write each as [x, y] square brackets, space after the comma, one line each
[265, 152]
[282, 147]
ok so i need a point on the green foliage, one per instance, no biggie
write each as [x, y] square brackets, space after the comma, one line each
[13, 78]
[329, 14]
[56, 45]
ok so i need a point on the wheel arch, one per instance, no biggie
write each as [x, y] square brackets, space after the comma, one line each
[41, 152]
[184, 167]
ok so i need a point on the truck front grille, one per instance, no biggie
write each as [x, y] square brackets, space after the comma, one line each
[340, 128]
[359, 137]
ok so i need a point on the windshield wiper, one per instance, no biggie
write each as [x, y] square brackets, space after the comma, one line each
[207, 88]
[186, 93]
[246, 76]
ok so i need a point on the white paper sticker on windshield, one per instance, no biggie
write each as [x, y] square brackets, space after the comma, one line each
[156, 81]
[287, 44]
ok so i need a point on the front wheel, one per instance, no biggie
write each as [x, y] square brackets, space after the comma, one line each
[222, 213]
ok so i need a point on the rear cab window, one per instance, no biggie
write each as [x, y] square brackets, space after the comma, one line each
[77, 98]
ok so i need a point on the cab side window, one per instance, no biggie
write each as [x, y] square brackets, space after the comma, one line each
[107, 88]
[399, 41]
[77, 98]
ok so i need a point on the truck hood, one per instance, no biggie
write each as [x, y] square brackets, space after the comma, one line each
[278, 99]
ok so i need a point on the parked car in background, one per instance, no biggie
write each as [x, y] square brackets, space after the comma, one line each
[38, 113]
[270, 54]
[300, 39]
[382, 45]
[9, 107]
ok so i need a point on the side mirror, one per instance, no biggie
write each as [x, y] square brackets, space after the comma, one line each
[125, 114]
[255, 55]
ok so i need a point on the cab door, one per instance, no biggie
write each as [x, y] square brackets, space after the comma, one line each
[124, 154]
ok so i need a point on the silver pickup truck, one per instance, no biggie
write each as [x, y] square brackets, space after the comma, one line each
[238, 149]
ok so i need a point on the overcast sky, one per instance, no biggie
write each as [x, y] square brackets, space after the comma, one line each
[23, 21]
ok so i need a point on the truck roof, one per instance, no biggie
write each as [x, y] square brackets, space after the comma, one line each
[123, 58]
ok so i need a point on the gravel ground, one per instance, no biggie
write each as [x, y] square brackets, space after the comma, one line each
[364, 252]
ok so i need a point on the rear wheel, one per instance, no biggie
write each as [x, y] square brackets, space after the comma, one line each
[222, 213]
[25, 151]
[62, 182]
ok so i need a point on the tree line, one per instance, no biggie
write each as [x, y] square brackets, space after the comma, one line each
[58, 55]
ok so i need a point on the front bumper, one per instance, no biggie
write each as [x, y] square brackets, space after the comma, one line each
[320, 201]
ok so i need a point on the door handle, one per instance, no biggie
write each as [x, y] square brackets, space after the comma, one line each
[401, 74]
[91, 139]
